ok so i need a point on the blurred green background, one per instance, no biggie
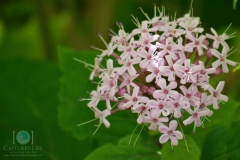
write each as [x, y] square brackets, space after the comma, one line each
[32, 30]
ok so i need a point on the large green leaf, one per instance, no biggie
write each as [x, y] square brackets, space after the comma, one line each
[222, 117]
[75, 83]
[29, 101]
[221, 144]
[123, 151]
[180, 151]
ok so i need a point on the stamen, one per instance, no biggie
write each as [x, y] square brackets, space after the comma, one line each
[83, 62]
[191, 8]
[163, 9]
[175, 16]
[145, 14]
[208, 119]
[114, 106]
[93, 47]
[121, 25]
[100, 35]
[132, 134]
[137, 23]
[97, 129]
[84, 99]
[155, 10]
[138, 135]
[159, 11]
[112, 31]
[232, 35]
[231, 52]
[227, 28]
[183, 135]
[87, 122]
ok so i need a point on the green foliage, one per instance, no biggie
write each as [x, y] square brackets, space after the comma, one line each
[222, 144]
[72, 113]
[29, 100]
[180, 151]
[75, 83]
[123, 151]
[222, 117]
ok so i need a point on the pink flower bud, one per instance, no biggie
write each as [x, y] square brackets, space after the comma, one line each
[143, 69]
[121, 91]
[151, 90]
[209, 54]
[144, 89]
[139, 93]
[205, 42]
[218, 71]
[120, 106]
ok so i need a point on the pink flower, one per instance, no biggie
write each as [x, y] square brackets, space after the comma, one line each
[121, 39]
[128, 50]
[144, 29]
[128, 81]
[128, 65]
[169, 48]
[95, 96]
[109, 85]
[187, 73]
[190, 93]
[170, 30]
[170, 133]
[196, 115]
[110, 71]
[190, 25]
[146, 40]
[158, 107]
[167, 91]
[96, 68]
[154, 122]
[205, 72]
[134, 99]
[102, 116]
[216, 95]
[179, 104]
[168, 69]
[147, 55]
[218, 39]
[222, 59]
[154, 69]
[196, 42]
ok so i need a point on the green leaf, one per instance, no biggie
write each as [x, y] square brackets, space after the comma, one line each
[29, 101]
[75, 83]
[225, 113]
[124, 151]
[180, 152]
[221, 144]
[222, 117]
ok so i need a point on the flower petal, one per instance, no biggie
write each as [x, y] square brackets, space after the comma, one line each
[164, 138]
[173, 125]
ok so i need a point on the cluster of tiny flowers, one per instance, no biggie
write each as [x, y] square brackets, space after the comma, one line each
[162, 70]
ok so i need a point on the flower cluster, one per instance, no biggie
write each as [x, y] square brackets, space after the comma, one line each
[163, 70]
